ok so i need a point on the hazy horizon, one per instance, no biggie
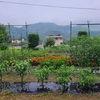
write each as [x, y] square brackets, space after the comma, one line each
[19, 14]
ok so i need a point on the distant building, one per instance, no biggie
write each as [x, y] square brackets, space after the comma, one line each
[18, 40]
[58, 39]
[18, 43]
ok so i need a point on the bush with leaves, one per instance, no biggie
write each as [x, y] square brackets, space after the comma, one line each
[49, 42]
[85, 51]
[86, 79]
[33, 40]
[22, 68]
[42, 74]
[9, 64]
[63, 75]
[81, 33]
[4, 38]
[2, 70]
[53, 64]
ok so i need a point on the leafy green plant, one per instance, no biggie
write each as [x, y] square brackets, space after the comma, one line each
[2, 70]
[80, 33]
[4, 38]
[86, 79]
[63, 75]
[9, 64]
[42, 74]
[49, 42]
[33, 40]
[53, 64]
[58, 63]
[21, 68]
[46, 63]
[85, 51]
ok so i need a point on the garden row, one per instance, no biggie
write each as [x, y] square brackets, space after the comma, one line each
[61, 59]
[64, 74]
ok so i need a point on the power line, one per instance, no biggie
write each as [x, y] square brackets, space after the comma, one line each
[52, 6]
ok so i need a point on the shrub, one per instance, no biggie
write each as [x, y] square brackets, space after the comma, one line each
[86, 79]
[81, 33]
[33, 40]
[21, 68]
[2, 70]
[64, 74]
[49, 42]
[85, 51]
[41, 74]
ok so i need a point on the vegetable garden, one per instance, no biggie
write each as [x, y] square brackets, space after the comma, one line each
[73, 69]
[69, 73]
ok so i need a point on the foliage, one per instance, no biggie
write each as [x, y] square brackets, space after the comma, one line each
[58, 63]
[21, 68]
[65, 42]
[64, 74]
[2, 70]
[81, 33]
[38, 60]
[9, 64]
[42, 74]
[33, 40]
[38, 53]
[85, 51]
[86, 78]
[58, 49]
[49, 42]
[4, 38]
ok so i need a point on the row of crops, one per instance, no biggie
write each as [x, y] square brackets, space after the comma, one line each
[64, 74]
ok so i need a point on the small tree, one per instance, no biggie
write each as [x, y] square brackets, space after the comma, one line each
[33, 40]
[80, 33]
[21, 69]
[49, 42]
[86, 79]
[42, 75]
[85, 51]
[4, 38]
[64, 74]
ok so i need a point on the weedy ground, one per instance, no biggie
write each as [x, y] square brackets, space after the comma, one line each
[48, 96]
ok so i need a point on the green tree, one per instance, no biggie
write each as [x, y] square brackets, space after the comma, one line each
[22, 68]
[64, 75]
[49, 42]
[33, 40]
[42, 74]
[80, 33]
[4, 38]
[85, 51]
[86, 79]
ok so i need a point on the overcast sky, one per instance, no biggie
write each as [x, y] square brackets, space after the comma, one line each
[19, 14]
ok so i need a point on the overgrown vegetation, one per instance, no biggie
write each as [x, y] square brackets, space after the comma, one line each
[81, 51]
[4, 38]
[49, 42]
[85, 51]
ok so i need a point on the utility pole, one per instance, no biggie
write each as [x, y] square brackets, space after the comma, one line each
[88, 28]
[9, 29]
[70, 31]
[26, 31]
[9, 32]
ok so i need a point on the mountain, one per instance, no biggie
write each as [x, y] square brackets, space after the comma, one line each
[45, 29]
